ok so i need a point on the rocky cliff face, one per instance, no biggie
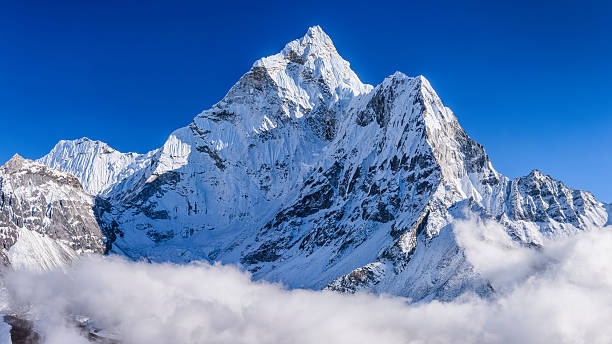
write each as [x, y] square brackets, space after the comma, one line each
[305, 175]
[556, 209]
[46, 218]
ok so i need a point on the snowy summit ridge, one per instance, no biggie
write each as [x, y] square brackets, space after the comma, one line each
[304, 174]
[96, 164]
[317, 53]
[308, 78]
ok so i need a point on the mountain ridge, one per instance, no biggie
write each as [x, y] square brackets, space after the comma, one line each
[305, 175]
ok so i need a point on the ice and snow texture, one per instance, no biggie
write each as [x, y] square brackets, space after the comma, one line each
[34, 251]
[559, 294]
[94, 163]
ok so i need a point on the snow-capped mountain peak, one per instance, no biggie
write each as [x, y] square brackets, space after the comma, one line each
[15, 162]
[315, 44]
[308, 81]
[94, 163]
[305, 175]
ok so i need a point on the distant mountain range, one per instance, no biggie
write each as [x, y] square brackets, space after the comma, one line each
[302, 174]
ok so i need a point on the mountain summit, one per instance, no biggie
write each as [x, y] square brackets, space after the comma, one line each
[304, 85]
[305, 175]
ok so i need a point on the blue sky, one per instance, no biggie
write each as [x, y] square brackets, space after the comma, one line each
[531, 82]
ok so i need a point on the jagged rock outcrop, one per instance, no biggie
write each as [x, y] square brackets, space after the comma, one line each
[555, 209]
[46, 218]
[305, 175]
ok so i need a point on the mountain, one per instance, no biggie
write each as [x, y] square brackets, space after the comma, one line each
[94, 163]
[46, 218]
[305, 175]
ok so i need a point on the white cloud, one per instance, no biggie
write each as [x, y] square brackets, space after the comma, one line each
[562, 293]
[498, 258]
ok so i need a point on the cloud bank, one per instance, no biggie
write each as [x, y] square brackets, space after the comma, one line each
[561, 293]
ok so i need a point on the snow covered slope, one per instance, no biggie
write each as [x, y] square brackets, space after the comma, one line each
[305, 175]
[46, 218]
[232, 167]
[94, 163]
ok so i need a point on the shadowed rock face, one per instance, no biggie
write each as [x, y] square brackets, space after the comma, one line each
[23, 331]
[305, 175]
[46, 217]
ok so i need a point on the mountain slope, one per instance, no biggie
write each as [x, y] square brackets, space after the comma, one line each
[46, 217]
[235, 163]
[94, 163]
[305, 175]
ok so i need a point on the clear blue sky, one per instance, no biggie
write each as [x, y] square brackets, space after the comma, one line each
[532, 83]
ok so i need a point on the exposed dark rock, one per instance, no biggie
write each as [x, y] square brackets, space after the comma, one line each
[213, 155]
